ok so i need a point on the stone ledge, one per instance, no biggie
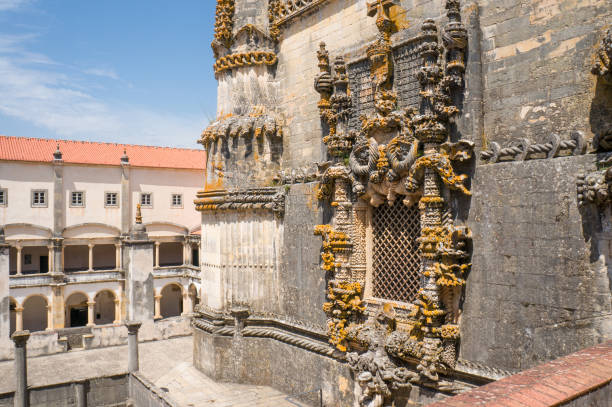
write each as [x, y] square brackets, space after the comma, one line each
[551, 384]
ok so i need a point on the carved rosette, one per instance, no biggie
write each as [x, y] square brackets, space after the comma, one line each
[396, 154]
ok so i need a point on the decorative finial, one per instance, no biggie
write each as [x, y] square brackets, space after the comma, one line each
[138, 215]
[57, 154]
[124, 158]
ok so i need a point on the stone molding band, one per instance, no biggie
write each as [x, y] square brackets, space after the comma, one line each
[270, 198]
[523, 150]
[281, 11]
[244, 59]
[306, 338]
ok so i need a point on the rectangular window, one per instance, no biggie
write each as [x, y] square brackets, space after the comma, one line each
[39, 197]
[396, 260]
[177, 200]
[77, 198]
[146, 199]
[110, 199]
[3, 197]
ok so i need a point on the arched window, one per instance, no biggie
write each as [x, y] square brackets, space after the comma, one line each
[35, 313]
[171, 301]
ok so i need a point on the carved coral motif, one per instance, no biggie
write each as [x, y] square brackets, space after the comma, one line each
[224, 22]
[244, 59]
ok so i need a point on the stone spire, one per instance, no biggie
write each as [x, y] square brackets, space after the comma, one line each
[139, 231]
[57, 154]
[125, 160]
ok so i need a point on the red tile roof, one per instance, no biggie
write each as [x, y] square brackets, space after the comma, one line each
[87, 152]
[554, 383]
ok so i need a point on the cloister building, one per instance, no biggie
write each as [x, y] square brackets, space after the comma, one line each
[66, 208]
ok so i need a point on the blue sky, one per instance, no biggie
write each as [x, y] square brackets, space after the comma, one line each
[137, 71]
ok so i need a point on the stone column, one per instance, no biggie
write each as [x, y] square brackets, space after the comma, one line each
[157, 307]
[90, 313]
[57, 265]
[138, 267]
[18, 247]
[91, 246]
[126, 201]
[49, 317]
[58, 305]
[5, 313]
[50, 262]
[157, 254]
[80, 395]
[117, 311]
[117, 256]
[18, 318]
[21, 368]
[187, 303]
[133, 327]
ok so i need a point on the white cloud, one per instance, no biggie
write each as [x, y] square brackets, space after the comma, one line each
[37, 90]
[6, 5]
[105, 73]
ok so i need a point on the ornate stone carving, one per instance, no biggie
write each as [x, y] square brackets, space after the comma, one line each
[595, 188]
[522, 149]
[244, 59]
[397, 153]
[250, 47]
[603, 63]
[256, 125]
[269, 198]
[224, 23]
[281, 11]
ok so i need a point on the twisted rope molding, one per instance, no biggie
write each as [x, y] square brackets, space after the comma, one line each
[524, 150]
[212, 329]
[291, 338]
[244, 59]
[282, 333]
[478, 369]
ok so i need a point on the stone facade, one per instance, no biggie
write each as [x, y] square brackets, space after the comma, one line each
[431, 215]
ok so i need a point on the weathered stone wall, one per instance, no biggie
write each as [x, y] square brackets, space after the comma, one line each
[269, 362]
[537, 58]
[143, 393]
[539, 285]
[102, 391]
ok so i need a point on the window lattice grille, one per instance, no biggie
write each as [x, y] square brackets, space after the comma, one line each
[396, 258]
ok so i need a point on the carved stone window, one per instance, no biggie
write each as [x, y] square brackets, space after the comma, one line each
[395, 259]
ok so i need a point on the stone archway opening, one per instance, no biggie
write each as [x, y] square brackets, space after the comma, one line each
[76, 310]
[104, 311]
[171, 301]
[35, 313]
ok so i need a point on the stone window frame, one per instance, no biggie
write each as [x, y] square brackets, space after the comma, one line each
[150, 203]
[176, 205]
[364, 244]
[3, 197]
[73, 195]
[107, 194]
[39, 204]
